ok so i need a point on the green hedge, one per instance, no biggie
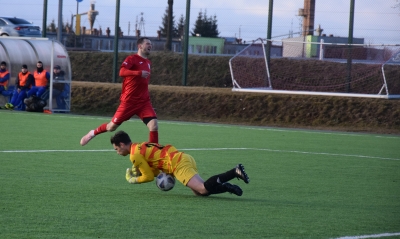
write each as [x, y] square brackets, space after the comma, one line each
[204, 104]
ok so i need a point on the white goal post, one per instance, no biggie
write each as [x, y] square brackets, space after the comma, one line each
[317, 68]
[249, 67]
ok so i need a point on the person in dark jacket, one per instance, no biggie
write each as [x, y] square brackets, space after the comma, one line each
[60, 88]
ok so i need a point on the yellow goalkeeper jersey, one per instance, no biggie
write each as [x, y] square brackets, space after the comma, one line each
[150, 158]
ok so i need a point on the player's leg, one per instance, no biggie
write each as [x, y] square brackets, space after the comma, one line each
[218, 183]
[111, 126]
[149, 117]
[196, 183]
[214, 186]
[200, 188]
[186, 172]
[122, 114]
[152, 125]
[236, 172]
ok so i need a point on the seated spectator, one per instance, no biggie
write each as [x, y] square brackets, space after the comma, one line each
[4, 76]
[60, 89]
[41, 80]
[58, 74]
[23, 83]
[61, 93]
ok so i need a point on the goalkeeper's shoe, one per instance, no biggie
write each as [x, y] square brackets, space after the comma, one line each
[85, 139]
[9, 106]
[241, 174]
[232, 188]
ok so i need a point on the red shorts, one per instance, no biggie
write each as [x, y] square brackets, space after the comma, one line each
[126, 111]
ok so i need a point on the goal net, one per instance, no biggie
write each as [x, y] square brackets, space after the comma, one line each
[317, 68]
[249, 68]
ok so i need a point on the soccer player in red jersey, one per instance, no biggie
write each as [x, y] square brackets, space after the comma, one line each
[135, 98]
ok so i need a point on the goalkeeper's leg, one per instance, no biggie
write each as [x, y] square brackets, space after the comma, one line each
[236, 172]
[214, 186]
[211, 186]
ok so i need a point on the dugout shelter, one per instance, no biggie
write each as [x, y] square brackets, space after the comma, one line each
[17, 51]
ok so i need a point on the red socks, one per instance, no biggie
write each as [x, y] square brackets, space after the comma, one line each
[101, 129]
[153, 137]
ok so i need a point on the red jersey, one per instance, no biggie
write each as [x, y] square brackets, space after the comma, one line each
[135, 88]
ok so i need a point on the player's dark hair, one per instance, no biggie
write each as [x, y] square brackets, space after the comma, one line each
[141, 40]
[120, 137]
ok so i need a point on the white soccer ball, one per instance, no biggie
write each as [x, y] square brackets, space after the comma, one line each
[165, 182]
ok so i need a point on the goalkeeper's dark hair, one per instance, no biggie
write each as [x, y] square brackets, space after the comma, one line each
[120, 137]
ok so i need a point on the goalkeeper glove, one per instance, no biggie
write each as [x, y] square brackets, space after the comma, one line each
[136, 172]
[129, 176]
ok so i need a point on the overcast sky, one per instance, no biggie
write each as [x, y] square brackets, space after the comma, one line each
[375, 20]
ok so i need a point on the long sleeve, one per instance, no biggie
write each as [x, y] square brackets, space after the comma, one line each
[17, 83]
[125, 72]
[48, 78]
[144, 168]
[5, 78]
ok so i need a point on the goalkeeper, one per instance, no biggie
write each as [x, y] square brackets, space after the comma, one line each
[149, 159]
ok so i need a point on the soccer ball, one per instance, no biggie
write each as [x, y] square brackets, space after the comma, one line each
[165, 182]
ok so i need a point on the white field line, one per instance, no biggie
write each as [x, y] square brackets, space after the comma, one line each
[206, 149]
[371, 236]
[261, 128]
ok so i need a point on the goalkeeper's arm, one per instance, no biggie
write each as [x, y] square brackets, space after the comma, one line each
[140, 172]
[131, 176]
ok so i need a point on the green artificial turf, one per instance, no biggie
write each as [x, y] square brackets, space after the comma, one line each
[304, 184]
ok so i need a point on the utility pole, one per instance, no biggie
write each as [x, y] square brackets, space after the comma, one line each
[44, 27]
[350, 41]
[269, 31]
[115, 61]
[60, 25]
[186, 43]
[168, 43]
